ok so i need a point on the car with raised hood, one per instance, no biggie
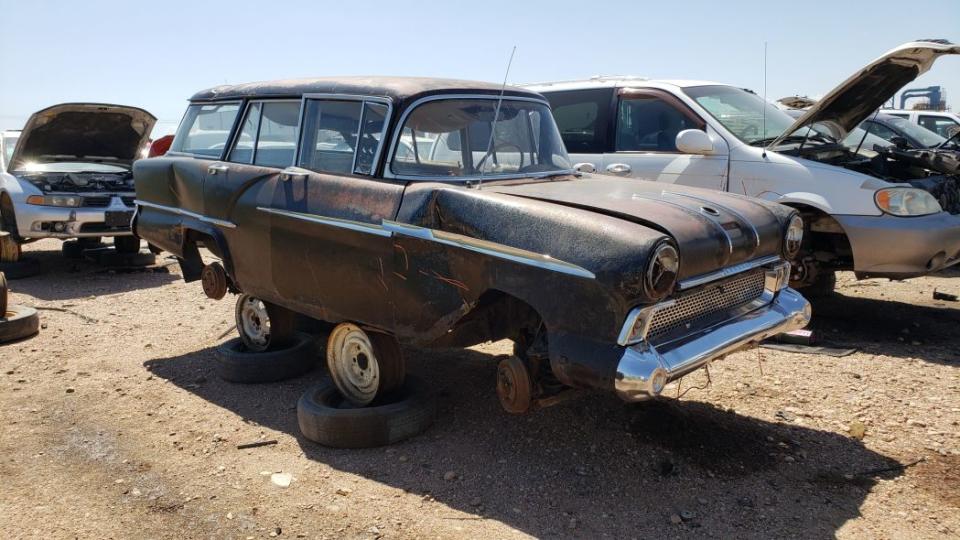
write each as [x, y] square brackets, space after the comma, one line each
[68, 174]
[446, 213]
[879, 216]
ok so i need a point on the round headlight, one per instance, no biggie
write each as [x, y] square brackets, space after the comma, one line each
[906, 202]
[794, 237]
[662, 271]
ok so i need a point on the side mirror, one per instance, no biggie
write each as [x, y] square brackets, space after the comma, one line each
[694, 141]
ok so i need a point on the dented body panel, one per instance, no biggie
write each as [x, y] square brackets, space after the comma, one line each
[447, 263]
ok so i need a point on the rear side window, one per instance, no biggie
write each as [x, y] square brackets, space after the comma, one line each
[342, 137]
[650, 124]
[583, 118]
[205, 129]
[277, 137]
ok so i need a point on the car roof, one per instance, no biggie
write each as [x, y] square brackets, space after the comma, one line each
[616, 81]
[950, 114]
[396, 88]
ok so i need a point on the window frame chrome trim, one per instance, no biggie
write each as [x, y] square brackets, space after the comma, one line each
[363, 99]
[359, 226]
[398, 131]
[180, 211]
[487, 247]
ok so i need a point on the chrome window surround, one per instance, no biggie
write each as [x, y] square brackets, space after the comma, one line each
[776, 279]
[180, 211]
[398, 132]
[363, 99]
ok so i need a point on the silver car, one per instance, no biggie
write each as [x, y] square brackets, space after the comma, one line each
[67, 174]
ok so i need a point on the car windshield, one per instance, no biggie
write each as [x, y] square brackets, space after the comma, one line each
[743, 113]
[8, 144]
[924, 136]
[450, 138]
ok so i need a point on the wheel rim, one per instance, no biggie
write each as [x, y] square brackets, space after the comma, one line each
[253, 322]
[353, 364]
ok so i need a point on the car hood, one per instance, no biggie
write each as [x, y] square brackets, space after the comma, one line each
[83, 132]
[713, 230]
[867, 90]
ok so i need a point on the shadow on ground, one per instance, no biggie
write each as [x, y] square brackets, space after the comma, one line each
[608, 468]
[59, 276]
[890, 328]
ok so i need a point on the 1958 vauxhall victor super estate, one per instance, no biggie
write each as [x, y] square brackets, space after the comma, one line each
[446, 213]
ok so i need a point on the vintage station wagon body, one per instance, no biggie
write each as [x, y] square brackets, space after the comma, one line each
[388, 203]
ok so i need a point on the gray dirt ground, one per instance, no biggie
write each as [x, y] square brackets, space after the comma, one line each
[113, 425]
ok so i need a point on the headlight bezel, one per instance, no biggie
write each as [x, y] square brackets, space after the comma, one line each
[903, 196]
[662, 271]
[58, 201]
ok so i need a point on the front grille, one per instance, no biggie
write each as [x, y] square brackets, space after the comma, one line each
[711, 303]
[96, 202]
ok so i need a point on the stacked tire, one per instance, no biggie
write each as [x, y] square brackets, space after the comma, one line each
[16, 322]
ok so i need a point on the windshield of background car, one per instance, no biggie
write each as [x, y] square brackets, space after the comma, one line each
[451, 138]
[8, 145]
[922, 135]
[205, 129]
[741, 112]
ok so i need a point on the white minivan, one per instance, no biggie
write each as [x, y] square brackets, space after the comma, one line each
[880, 212]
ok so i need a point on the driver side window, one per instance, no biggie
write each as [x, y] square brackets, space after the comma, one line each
[649, 124]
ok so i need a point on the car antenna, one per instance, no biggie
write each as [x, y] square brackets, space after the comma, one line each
[865, 133]
[496, 113]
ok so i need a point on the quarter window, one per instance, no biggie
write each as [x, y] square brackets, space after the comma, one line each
[205, 129]
[650, 124]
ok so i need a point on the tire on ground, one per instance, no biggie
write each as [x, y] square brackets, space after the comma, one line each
[24, 268]
[126, 244]
[407, 412]
[18, 322]
[235, 363]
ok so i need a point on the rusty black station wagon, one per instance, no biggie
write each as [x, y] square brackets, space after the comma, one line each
[446, 213]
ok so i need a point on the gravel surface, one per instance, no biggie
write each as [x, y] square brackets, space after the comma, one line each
[113, 425]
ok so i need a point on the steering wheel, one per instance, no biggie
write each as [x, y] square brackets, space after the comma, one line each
[496, 148]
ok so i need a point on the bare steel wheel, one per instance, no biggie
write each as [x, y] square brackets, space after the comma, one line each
[363, 365]
[514, 385]
[262, 325]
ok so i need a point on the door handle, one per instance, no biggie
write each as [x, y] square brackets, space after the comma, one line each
[585, 167]
[618, 169]
[293, 173]
[217, 168]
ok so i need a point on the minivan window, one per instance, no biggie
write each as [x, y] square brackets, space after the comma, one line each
[581, 117]
[330, 131]
[649, 124]
[205, 129]
[277, 136]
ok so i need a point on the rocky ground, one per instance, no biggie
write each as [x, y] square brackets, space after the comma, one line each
[113, 425]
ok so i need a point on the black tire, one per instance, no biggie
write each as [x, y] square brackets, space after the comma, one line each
[235, 363]
[3, 294]
[114, 258]
[407, 412]
[23, 268]
[18, 322]
[126, 244]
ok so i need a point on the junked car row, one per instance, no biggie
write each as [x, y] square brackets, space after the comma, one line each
[394, 212]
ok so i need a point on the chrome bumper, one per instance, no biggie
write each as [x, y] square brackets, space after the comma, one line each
[643, 370]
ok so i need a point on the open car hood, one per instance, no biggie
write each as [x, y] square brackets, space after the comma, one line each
[83, 132]
[867, 90]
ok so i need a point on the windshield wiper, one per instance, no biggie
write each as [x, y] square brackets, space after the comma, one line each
[792, 138]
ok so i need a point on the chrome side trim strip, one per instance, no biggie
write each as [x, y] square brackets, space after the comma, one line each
[486, 247]
[182, 212]
[359, 226]
[695, 281]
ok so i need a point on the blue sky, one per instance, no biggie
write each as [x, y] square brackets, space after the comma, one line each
[156, 54]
